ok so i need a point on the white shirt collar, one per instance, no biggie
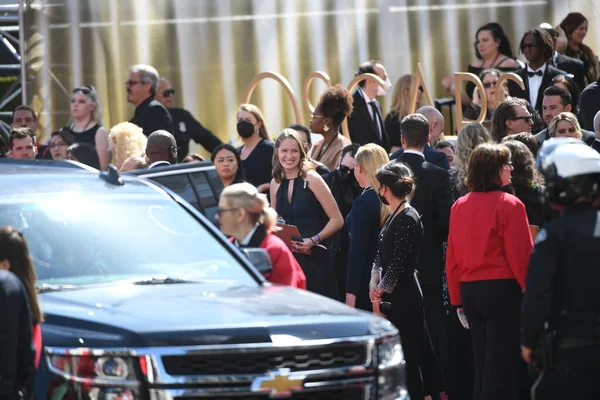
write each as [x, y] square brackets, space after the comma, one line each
[246, 240]
[364, 95]
[414, 152]
[158, 164]
[542, 68]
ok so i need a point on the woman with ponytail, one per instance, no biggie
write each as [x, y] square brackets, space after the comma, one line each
[244, 214]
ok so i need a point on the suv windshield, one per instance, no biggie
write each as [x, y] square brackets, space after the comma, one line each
[80, 239]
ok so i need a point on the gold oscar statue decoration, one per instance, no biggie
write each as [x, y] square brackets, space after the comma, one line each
[287, 88]
[306, 88]
[419, 81]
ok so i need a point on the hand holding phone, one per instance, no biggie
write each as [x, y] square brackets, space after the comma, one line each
[297, 239]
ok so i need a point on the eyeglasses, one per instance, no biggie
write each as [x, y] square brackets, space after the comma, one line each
[132, 82]
[168, 92]
[509, 163]
[224, 210]
[488, 85]
[524, 118]
[525, 46]
[313, 116]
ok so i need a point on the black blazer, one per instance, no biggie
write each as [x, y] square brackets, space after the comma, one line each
[152, 116]
[185, 128]
[362, 127]
[432, 199]
[588, 137]
[550, 73]
[431, 155]
[572, 66]
[364, 226]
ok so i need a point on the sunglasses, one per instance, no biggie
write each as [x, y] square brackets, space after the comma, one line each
[525, 46]
[488, 85]
[168, 92]
[524, 118]
[83, 90]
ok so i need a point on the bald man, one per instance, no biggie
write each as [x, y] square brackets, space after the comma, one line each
[436, 129]
[161, 149]
[185, 126]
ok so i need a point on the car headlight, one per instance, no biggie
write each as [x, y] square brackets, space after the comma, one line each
[391, 380]
[98, 374]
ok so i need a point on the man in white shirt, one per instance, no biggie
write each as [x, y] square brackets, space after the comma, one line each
[537, 47]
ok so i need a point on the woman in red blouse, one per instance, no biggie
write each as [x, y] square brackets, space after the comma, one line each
[489, 245]
[14, 256]
[244, 214]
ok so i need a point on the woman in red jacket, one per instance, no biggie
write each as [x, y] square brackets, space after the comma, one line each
[489, 245]
[244, 214]
[14, 256]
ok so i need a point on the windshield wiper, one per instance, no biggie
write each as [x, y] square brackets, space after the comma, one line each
[158, 280]
[46, 287]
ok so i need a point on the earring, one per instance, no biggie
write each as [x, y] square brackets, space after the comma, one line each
[325, 128]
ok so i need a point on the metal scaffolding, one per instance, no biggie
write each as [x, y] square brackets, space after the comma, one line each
[10, 59]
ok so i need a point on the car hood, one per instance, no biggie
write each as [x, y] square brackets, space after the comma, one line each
[195, 314]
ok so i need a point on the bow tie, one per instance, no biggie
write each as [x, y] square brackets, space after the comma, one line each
[532, 74]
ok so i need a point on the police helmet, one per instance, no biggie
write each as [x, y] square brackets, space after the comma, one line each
[571, 169]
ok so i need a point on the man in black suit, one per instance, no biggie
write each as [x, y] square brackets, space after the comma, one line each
[432, 199]
[568, 64]
[436, 128]
[365, 123]
[589, 104]
[185, 126]
[141, 87]
[557, 100]
[538, 49]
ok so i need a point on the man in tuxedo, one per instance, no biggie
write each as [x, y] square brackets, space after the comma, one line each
[589, 104]
[557, 100]
[537, 47]
[432, 199]
[365, 123]
[150, 115]
[568, 64]
[185, 126]
[436, 129]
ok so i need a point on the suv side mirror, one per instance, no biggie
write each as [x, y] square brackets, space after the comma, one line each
[259, 258]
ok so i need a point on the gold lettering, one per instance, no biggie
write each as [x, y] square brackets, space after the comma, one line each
[419, 81]
[306, 88]
[287, 88]
[467, 76]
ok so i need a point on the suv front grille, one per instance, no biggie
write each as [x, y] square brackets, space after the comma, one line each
[260, 361]
[329, 394]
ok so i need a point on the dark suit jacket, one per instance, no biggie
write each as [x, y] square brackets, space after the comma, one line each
[364, 226]
[362, 128]
[432, 199]
[185, 128]
[550, 73]
[588, 137]
[572, 66]
[431, 155]
[152, 116]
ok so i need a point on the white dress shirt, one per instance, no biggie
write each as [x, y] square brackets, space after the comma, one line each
[368, 100]
[420, 153]
[534, 84]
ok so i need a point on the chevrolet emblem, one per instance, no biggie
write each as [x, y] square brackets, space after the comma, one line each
[278, 383]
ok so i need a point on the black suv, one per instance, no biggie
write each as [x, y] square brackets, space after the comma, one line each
[144, 299]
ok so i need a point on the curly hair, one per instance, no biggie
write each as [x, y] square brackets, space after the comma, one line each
[126, 140]
[498, 34]
[543, 40]
[469, 137]
[336, 103]
[524, 173]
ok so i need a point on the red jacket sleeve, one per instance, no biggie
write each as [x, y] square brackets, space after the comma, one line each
[452, 272]
[286, 270]
[37, 343]
[517, 240]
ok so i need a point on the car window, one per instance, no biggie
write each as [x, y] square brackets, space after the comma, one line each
[208, 192]
[77, 239]
[181, 185]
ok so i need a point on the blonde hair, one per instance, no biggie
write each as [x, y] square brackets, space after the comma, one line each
[126, 140]
[246, 196]
[401, 96]
[139, 162]
[564, 116]
[89, 92]
[370, 157]
[254, 110]
[304, 165]
[469, 137]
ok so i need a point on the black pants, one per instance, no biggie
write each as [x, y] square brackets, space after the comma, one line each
[574, 376]
[492, 308]
[436, 317]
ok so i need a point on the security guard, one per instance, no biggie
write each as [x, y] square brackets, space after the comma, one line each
[560, 321]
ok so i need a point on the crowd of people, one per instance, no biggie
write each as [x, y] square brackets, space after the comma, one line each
[432, 234]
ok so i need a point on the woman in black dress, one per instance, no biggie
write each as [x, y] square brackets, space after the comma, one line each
[84, 123]
[228, 164]
[302, 198]
[257, 150]
[394, 290]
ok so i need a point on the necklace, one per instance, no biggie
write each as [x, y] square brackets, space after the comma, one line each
[493, 62]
